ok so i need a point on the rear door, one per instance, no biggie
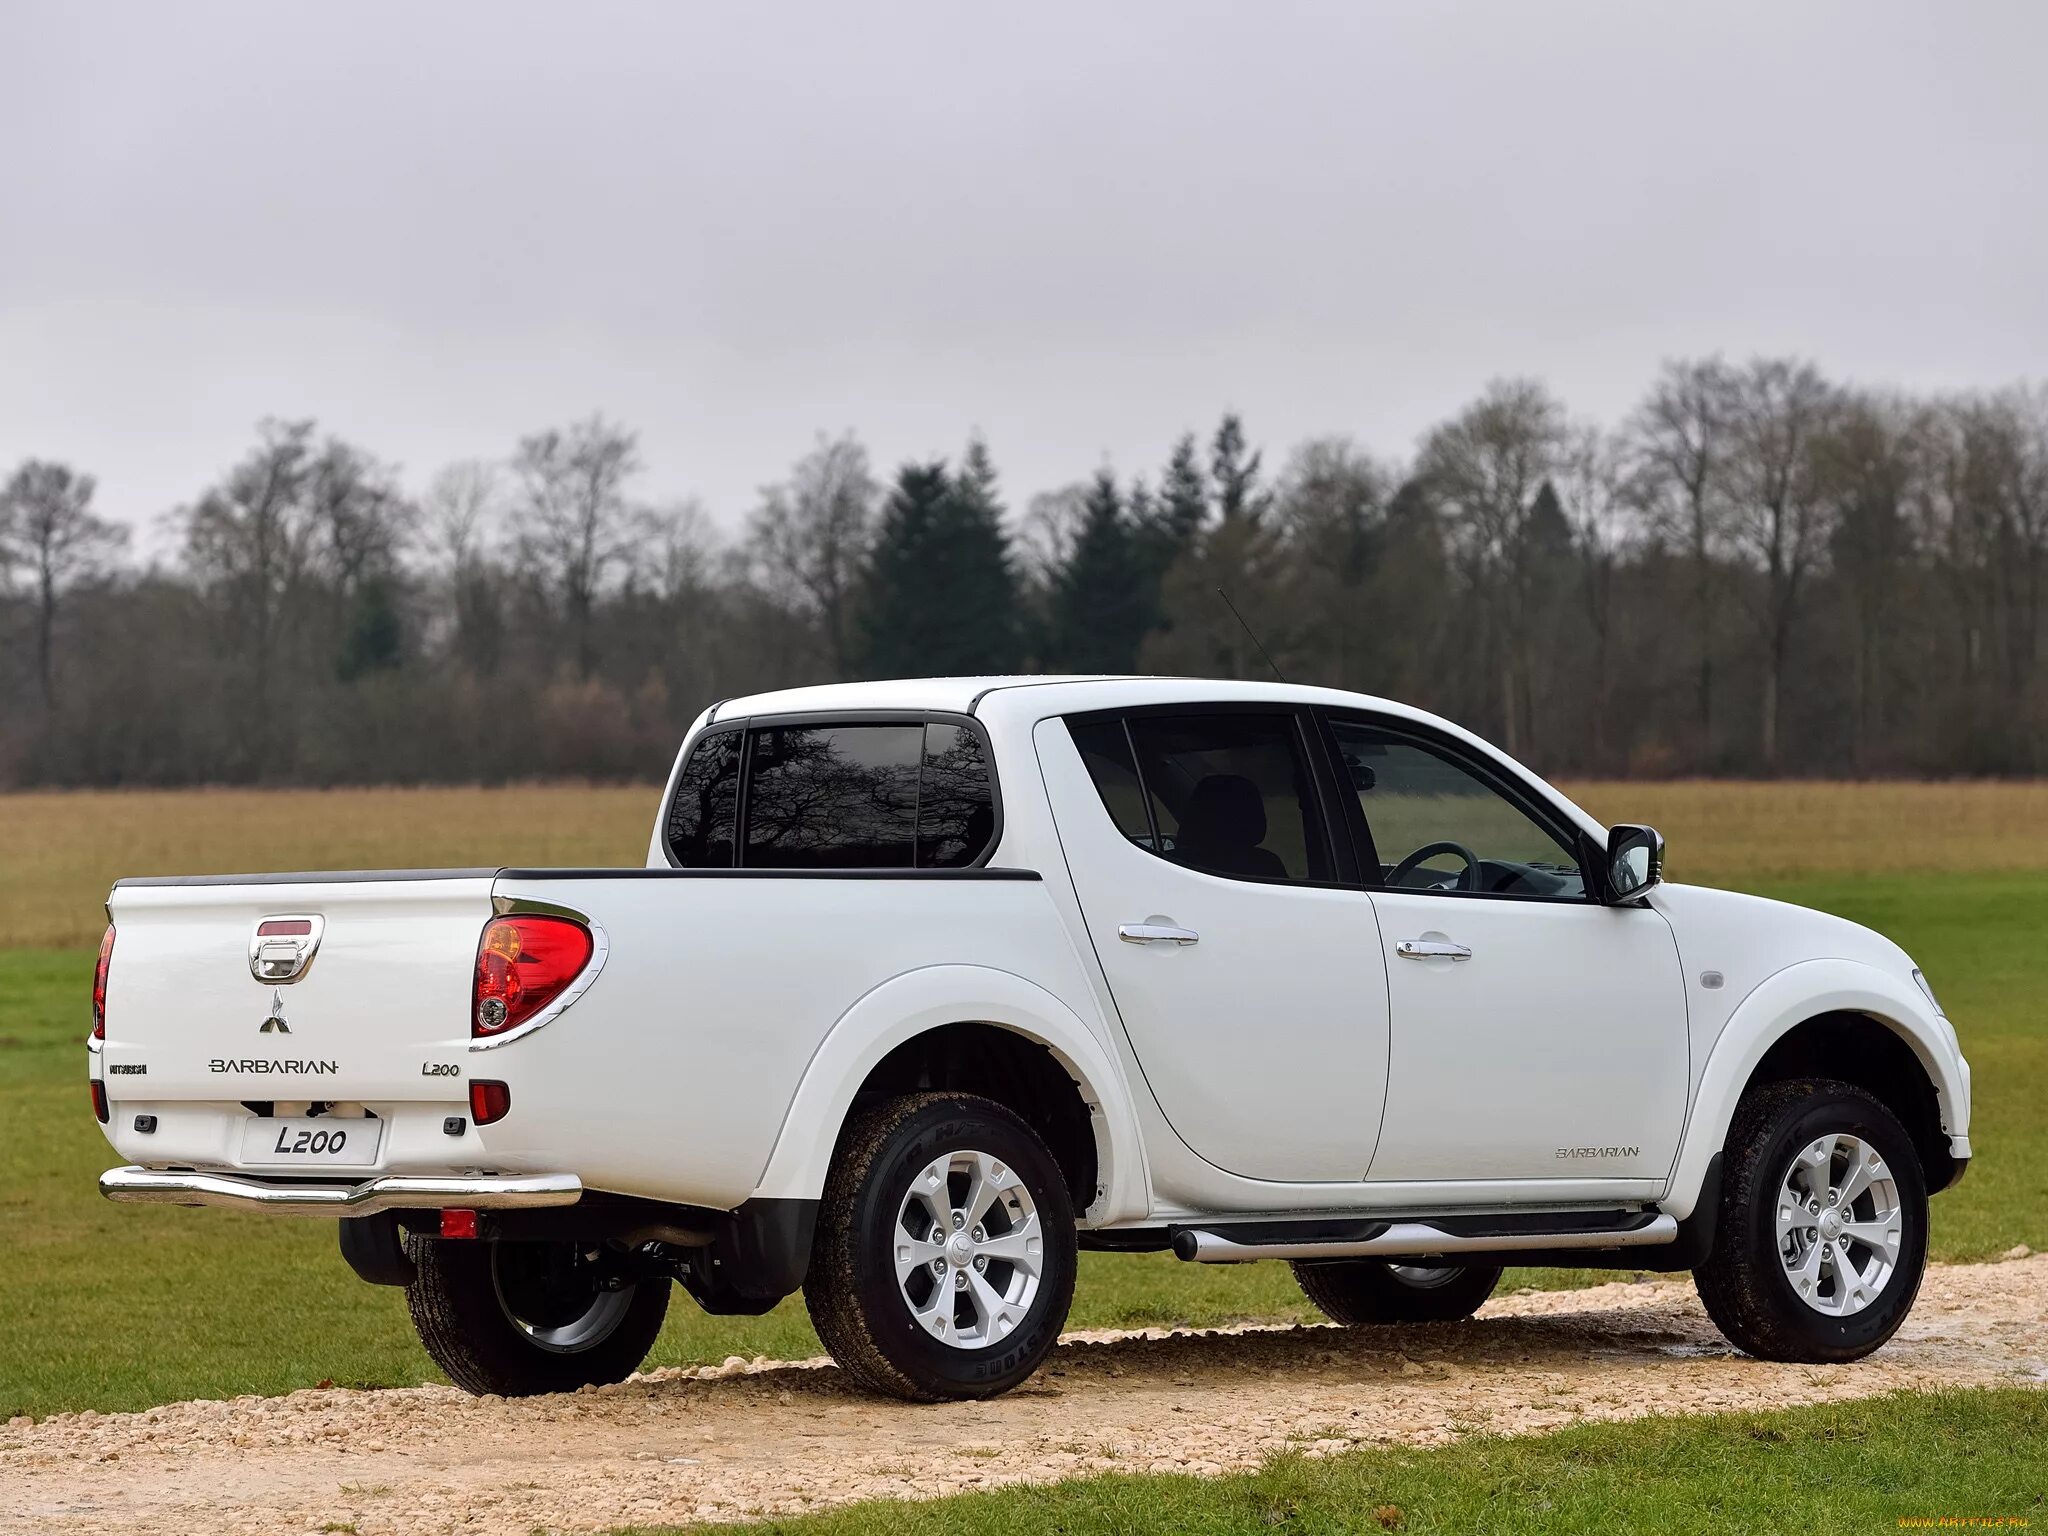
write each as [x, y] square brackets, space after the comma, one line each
[1537, 1034]
[1247, 972]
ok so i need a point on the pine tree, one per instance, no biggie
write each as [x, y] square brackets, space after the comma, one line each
[1182, 510]
[1102, 603]
[1238, 494]
[942, 594]
[1236, 552]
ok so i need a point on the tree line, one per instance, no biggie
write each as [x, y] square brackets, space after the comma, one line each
[1759, 571]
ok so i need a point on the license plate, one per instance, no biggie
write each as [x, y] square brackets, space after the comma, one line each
[320, 1143]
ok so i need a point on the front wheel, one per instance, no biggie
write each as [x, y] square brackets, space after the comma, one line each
[1356, 1291]
[1822, 1233]
[523, 1318]
[944, 1260]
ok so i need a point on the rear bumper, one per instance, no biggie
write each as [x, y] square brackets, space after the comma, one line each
[390, 1192]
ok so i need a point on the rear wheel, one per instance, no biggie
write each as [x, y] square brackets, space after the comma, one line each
[1355, 1291]
[524, 1318]
[1822, 1232]
[944, 1260]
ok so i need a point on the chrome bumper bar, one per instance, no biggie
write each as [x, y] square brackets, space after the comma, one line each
[390, 1192]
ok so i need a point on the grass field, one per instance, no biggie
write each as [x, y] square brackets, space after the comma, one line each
[123, 1307]
[63, 849]
[1854, 1467]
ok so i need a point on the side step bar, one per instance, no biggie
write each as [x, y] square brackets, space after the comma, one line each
[1233, 1243]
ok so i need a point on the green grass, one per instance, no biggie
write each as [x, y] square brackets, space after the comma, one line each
[123, 1307]
[1843, 1467]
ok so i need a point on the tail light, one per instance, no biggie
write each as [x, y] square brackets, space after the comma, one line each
[523, 964]
[489, 1102]
[99, 1101]
[99, 986]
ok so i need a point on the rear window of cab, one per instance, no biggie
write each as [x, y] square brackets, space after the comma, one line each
[894, 794]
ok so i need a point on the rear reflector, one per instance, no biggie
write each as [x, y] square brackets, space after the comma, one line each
[458, 1223]
[99, 1101]
[99, 986]
[489, 1102]
[523, 964]
[284, 928]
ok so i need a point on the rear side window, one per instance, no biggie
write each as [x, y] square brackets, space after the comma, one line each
[893, 795]
[700, 817]
[956, 812]
[1228, 794]
[833, 797]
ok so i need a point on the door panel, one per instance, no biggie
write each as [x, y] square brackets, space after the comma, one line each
[1536, 1033]
[1264, 1039]
[1558, 1049]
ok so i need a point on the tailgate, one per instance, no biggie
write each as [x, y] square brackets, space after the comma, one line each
[380, 1000]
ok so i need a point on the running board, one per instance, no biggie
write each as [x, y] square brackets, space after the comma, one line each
[1433, 1237]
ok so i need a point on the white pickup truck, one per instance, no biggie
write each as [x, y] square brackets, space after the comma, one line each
[928, 984]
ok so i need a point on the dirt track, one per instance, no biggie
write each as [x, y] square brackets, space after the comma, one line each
[734, 1441]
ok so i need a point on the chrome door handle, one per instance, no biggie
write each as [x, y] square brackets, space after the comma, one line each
[1156, 933]
[1431, 949]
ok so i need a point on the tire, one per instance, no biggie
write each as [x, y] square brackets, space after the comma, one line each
[504, 1317]
[967, 1331]
[1751, 1283]
[1358, 1291]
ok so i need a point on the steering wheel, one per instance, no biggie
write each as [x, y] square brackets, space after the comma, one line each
[1468, 877]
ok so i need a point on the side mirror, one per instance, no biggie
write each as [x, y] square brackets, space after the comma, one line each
[1635, 861]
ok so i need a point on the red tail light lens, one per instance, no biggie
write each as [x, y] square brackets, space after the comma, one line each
[99, 986]
[522, 965]
[489, 1102]
[99, 1101]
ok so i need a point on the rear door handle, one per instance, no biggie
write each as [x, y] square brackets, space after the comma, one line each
[1431, 949]
[1156, 933]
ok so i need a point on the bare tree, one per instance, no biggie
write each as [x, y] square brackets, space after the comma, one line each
[1483, 470]
[47, 527]
[364, 520]
[1051, 527]
[251, 542]
[460, 508]
[1331, 507]
[1601, 494]
[575, 525]
[1778, 517]
[1867, 464]
[1680, 439]
[809, 539]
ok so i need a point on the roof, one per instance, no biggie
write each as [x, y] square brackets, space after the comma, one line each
[953, 695]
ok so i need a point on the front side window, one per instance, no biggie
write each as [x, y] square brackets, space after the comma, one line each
[1438, 825]
[700, 816]
[1227, 794]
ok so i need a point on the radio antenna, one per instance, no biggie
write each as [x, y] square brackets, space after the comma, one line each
[1263, 652]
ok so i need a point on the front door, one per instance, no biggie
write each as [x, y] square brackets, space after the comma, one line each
[1537, 1034]
[1250, 984]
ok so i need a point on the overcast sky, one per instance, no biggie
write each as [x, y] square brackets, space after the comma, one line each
[1081, 229]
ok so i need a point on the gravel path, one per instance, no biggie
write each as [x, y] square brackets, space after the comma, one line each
[739, 1440]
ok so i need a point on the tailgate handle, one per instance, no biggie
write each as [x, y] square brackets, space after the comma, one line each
[276, 959]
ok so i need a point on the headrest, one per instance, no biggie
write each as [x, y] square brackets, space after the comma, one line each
[1226, 811]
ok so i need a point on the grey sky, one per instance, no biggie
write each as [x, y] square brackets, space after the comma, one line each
[1080, 228]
